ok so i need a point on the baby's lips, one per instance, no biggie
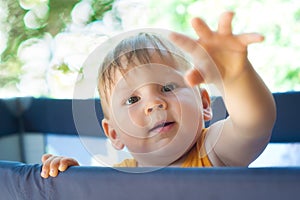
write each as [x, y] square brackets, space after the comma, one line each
[161, 124]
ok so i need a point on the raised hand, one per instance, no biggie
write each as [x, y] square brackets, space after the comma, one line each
[216, 54]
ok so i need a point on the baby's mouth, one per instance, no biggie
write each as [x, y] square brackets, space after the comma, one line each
[160, 126]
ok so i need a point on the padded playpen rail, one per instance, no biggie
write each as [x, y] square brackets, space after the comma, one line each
[23, 181]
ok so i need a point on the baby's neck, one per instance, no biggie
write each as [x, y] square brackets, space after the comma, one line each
[179, 161]
[176, 163]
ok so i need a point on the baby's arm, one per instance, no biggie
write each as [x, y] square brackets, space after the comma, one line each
[54, 164]
[240, 138]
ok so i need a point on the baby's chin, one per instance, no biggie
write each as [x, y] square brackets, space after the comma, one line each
[162, 157]
[168, 150]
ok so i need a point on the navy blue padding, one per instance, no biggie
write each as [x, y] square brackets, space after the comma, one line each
[56, 116]
[8, 121]
[287, 126]
[21, 181]
[218, 109]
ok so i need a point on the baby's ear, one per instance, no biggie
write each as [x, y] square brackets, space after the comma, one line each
[111, 133]
[207, 112]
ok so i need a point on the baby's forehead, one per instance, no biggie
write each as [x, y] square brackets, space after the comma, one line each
[140, 62]
[153, 57]
[147, 74]
[157, 66]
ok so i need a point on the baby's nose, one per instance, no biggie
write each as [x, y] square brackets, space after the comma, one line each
[155, 105]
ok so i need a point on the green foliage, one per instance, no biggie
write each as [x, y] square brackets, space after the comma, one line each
[278, 20]
[17, 31]
[297, 15]
[55, 21]
[100, 7]
[59, 15]
[64, 68]
[293, 77]
[10, 72]
[275, 59]
[174, 12]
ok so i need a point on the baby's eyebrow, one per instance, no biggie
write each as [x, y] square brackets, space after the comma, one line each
[122, 89]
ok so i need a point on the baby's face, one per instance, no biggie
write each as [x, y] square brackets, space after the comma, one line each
[155, 114]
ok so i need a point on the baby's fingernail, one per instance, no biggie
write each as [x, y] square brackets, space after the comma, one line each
[43, 174]
[61, 167]
[52, 171]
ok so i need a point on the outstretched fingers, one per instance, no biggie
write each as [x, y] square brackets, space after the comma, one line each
[205, 68]
[201, 28]
[194, 77]
[225, 23]
[189, 45]
[250, 38]
[184, 42]
[224, 26]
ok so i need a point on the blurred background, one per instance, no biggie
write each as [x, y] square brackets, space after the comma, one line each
[43, 44]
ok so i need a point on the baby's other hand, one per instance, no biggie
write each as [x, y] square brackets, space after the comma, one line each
[52, 165]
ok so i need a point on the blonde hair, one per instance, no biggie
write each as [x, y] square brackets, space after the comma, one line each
[134, 51]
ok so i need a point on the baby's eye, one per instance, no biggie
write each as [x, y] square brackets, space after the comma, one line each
[169, 87]
[132, 100]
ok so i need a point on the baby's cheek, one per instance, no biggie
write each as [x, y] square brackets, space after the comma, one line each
[190, 109]
[135, 143]
[131, 121]
[136, 117]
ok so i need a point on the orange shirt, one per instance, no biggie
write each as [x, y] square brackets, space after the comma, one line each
[197, 156]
